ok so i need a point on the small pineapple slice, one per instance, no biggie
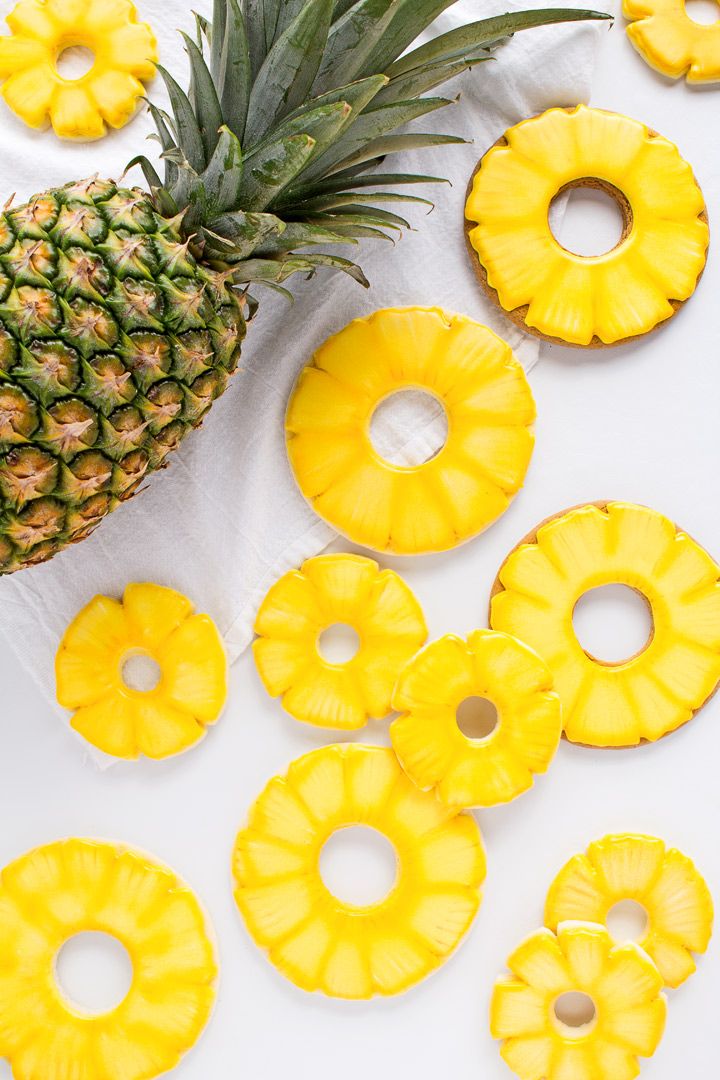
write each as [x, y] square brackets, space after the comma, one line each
[65, 888]
[151, 621]
[433, 750]
[470, 481]
[626, 1020]
[672, 42]
[663, 881]
[667, 682]
[329, 590]
[313, 938]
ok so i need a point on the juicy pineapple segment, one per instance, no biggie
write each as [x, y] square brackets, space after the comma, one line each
[65, 888]
[665, 882]
[623, 984]
[156, 622]
[578, 299]
[331, 589]
[313, 938]
[124, 53]
[662, 686]
[460, 491]
[672, 42]
[431, 747]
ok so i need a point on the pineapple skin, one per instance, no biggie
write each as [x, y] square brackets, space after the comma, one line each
[114, 343]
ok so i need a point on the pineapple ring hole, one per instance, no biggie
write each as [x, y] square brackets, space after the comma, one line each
[94, 971]
[596, 220]
[358, 865]
[338, 643]
[409, 427]
[477, 718]
[613, 623]
[74, 61]
[627, 921]
[703, 12]
[140, 672]
[575, 1013]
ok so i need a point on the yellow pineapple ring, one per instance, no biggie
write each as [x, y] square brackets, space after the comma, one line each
[666, 883]
[72, 886]
[313, 938]
[434, 751]
[327, 590]
[673, 43]
[577, 299]
[662, 686]
[626, 1012]
[124, 49]
[456, 494]
[158, 623]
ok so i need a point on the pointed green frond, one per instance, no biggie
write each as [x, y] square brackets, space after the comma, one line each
[358, 214]
[351, 180]
[215, 33]
[186, 126]
[203, 97]
[298, 234]
[352, 39]
[269, 172]
[426, 78]
[393, 144]
[222, 178]
[322, 124]
[167, 142]
[410, 19]
[234, 76]
[355, 198]
[235, 236]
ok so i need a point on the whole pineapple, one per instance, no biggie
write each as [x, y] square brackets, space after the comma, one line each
[122, 312]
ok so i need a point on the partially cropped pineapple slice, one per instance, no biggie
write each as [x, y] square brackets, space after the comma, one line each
[156, 622]
[627, 1006]
[71, 886]
[669, 39]
[328, 590]
[312, 937]
[432, 748]
[665, 882]
[454, 495]
[665, 684]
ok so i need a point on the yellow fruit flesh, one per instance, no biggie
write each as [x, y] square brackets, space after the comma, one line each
[575, 298]
[625, 989]
[665, 882]
[430, 745]
[65, 888]
[313, 938]
[156, 622]
[124, 52]
[673, 43]
[330, 590]
[456, 494]
[661, 687]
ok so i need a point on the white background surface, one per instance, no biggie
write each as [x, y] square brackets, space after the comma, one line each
[638, 423]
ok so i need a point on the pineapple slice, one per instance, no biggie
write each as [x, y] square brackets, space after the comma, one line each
[329, 590]
[151, 621]
[665, 882]
[673, 43]
[312, 937]
[626, 1020]
[456, 494]
[432, 748]
[665, 684]
[124, 50]
[577, 299]
[64, 888]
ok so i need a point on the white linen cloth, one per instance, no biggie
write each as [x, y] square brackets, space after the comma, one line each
[226, 519]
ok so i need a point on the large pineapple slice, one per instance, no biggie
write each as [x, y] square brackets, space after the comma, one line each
[432, 748]
[666, 683]
[71, 886]
[312, 937]
[666, 883]
[463, 488]
[626, 1015]
[154, 622]
[337, 589]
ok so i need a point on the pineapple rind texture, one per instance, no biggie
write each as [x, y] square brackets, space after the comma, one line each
[114, 343]
[156, 622]
[434, 751]
[667, 682]
[665, 882]
[65, 888]
[625, 988]
[314, 939]
[466, 485]
[327, 590]
[673, 43]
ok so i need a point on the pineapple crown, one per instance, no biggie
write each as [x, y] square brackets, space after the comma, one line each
[291, 105]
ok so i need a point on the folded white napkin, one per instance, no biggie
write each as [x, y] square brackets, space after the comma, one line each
[225, 519]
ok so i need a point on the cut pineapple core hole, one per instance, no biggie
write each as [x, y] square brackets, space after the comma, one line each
[358, 865]
[627, 921]
[595, 221]
[477, 718]
[94, 971]
[140, 672]
[703, 13]
[613, 623]
[74, 62]
[339, 643]
[409, 427]
[575, 1013]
